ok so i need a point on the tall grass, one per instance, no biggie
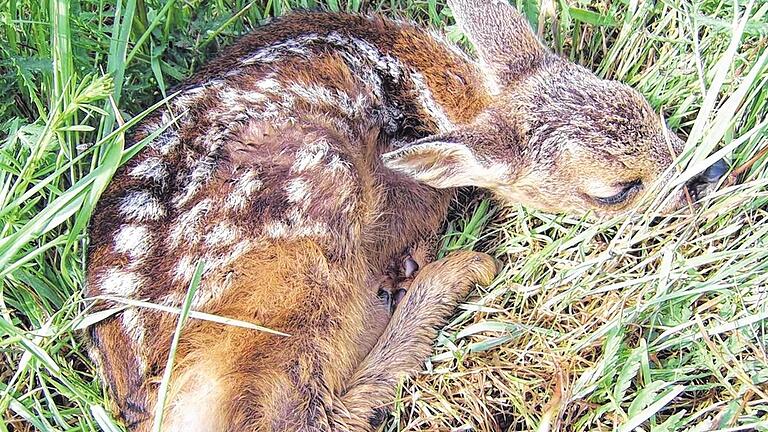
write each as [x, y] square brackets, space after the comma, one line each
[593, 325]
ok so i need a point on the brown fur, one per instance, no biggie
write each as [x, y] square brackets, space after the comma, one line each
[302, 164]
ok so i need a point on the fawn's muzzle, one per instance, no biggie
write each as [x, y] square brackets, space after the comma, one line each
[706, 181]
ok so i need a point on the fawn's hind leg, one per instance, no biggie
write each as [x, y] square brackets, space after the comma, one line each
[408, 338]
[314, 391]
[119, 361]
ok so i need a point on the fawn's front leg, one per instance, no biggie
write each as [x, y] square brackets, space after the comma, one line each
[408, 338]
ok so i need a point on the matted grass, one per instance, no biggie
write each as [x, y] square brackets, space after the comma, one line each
[637, 323]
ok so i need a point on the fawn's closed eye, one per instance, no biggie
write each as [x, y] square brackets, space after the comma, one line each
[628, 190]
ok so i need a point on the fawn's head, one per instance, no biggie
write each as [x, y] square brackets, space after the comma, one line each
[555, 136]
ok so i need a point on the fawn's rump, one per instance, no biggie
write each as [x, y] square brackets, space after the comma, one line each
[254, 380]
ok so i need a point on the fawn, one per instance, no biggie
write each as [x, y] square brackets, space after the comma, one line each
[299, 166]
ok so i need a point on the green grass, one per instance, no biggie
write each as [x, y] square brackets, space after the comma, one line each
[629, 324]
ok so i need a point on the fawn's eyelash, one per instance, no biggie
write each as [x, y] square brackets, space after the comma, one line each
[628, 190]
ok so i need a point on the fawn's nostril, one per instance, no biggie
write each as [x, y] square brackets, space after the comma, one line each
[715, 172]
[704, 182]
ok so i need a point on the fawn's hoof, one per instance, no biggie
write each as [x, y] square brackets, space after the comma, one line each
[481, 266]
[399, 294]
[472, 267]
[410, 267]
[384, 296]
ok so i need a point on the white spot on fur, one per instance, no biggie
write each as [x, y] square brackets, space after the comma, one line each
[219, 261]
[120, 283]
[297, 190]
[275, 52]
[202, 171]
[276, 230]
[188, 226]
[338, 166]
[141, 206]
[133, 240]
[151, 168]
[311, 230]
[222, 234]
[314, 94]
[172, 299]
[384, 63]
[424, 96]
[269, 84]
[295, 227]
[166, 142]
[166, 118]
[271, 103]
[185, 269]
[194, 94]
[238, 98]
[299, 227]
[134, 327]
[310, 155]
[248, 184]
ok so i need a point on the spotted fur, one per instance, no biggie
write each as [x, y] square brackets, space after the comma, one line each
[298, 166]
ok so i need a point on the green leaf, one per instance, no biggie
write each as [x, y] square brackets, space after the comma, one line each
[590, 17]
[628, 372]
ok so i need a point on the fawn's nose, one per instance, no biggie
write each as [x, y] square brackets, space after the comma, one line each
[702, 183]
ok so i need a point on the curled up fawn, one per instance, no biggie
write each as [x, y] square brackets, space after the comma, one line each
[302, 166]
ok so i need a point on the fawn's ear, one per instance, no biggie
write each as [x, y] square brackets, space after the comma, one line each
[504, 40]
[443, 161]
